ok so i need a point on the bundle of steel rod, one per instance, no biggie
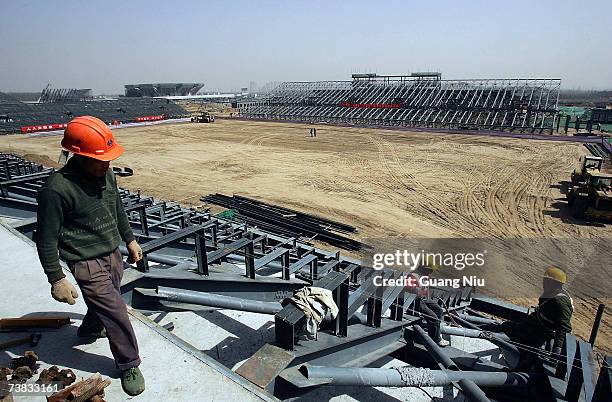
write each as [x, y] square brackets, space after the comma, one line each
[302, 216]
[597, 150]
[286, 221]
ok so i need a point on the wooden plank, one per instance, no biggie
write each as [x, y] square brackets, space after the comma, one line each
[35, 322]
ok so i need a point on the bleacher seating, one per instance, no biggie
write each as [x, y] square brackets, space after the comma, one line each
[15, 114]
[524, 105]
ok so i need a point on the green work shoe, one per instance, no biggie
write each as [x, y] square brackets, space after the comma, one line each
[84, 332]
[132, 381]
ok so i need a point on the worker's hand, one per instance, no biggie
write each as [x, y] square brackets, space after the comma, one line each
[63, 291]
[135, 252]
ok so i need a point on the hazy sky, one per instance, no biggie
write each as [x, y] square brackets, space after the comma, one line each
[226, 44]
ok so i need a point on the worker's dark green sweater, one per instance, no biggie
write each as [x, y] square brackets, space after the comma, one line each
[79, 217]
[551, 320]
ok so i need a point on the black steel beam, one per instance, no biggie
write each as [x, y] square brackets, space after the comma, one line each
[603, 389]
[583, 376]
[161, 242]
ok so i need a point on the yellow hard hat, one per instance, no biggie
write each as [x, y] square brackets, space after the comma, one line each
[430, 263]
[555, 274]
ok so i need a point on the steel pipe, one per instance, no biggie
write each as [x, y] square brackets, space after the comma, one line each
[215, 300]
[473, 392]
[469, 333]
[412, 377]
[476, 320]
[463, 322]
[434, 349]
[510, 352]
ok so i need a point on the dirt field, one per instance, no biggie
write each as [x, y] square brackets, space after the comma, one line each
[387, 183]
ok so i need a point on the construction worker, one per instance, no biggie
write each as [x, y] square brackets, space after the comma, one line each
[431, 309]
[82, 221]
[551, 320]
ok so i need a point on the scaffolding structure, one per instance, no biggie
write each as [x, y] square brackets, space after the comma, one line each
[416, 100]
[14, 115]
[50, 95]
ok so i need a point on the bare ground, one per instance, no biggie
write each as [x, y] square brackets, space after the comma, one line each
[387, 183]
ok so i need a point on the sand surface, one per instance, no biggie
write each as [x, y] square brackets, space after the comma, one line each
[386, 183]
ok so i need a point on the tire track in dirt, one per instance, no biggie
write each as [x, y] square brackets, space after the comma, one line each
[413, 192]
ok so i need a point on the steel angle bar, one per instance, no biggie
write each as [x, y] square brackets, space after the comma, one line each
[359, 296]
[583, 377]
[161, 242]
[273, 255]
[603, 389]
[309, 259]
[217, 255]
[565, 366]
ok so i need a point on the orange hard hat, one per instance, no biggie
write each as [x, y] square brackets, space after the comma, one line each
[91, 137]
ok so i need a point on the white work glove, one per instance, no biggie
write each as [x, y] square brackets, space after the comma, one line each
[135, 252]
[63, 291]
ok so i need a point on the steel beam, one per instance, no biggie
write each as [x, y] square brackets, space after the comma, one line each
[603, 389]
[583, 377]
[161, 242]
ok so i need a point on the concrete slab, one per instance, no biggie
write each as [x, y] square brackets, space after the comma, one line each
[174, 370]
[231, 337]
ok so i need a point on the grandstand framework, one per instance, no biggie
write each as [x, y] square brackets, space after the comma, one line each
[416, 100]
[20, 117]
[162, 89]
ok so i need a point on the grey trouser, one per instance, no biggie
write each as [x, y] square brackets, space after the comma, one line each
[100, 280]
[433, 314]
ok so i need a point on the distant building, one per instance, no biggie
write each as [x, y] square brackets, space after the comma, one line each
[163, 89]
[603, 116]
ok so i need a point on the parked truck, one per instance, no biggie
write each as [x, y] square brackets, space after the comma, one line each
[203, 117]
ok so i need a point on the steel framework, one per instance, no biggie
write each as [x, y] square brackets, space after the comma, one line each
[205, 261]
[524, 105]
[50, 95]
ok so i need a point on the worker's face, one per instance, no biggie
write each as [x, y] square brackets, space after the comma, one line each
[95, 167]
[550, 285]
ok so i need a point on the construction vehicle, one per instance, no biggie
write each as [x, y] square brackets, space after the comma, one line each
[590, 164]
[592, 196]
[203, 117]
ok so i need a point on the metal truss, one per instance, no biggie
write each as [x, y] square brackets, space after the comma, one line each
[523, 105]
[203, 261]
